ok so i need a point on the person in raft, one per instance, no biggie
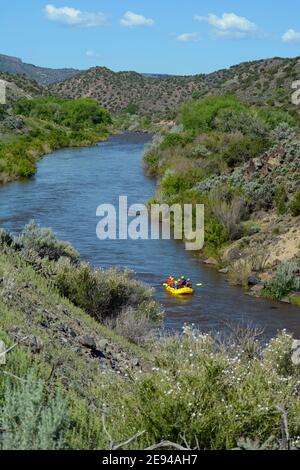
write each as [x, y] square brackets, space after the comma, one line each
[170, 281]
[179, 283]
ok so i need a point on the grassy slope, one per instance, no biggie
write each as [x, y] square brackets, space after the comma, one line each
[55, 350]
[188, 387]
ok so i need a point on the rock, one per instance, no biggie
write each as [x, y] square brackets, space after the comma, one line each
[119, 357]
[296, 344]
[285, 300]
[234, 254]
[253, 281]
[251, 169]
[34, 343]
[88, 342]
[134, 362]
[103, 344]
[256, 290]
[224, 271]
[211, 261]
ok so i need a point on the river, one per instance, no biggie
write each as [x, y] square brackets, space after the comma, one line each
[68, 187]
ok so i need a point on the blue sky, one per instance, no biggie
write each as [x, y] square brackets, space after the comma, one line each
[157, 36]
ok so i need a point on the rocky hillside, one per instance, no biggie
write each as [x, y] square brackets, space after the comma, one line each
[242, 163]
[18, 87]
[260, 82]
[43, 75]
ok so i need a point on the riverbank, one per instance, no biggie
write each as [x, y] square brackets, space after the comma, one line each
[91, 382]
[44, 125]
[240, 162]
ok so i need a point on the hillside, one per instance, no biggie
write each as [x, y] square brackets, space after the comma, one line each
[260, 82]
[43, 75]
[242, 163]
[68, 381]
[19, 86]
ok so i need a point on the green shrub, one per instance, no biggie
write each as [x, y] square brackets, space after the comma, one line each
[132, 109]
[240, 150]
[82, 112]
[280, 199]
[102, 293]
[216, 234]
[5, 238]
[199, 115]
[228, 208]
[175, 140]
[284, 280]
[44, 243]
[244, 120]
[295, 204]
[175, 184]
[31, 418]
[133, 325]
[151, 161]
[274, 117]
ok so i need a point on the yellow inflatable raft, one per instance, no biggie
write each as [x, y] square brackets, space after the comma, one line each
[182, 291]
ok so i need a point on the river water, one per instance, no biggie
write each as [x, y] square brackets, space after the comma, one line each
[65, 193]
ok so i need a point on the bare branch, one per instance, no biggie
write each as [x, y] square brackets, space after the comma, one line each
[13, 376]
[167, 444]
[284, 427]
[13, 346]
[110, 440]
[123, 444]
[114, 445]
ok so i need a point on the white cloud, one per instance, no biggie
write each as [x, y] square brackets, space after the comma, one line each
[73, 17]
[291, 36]
[133, 19]
[188, 37]
[90, 54]
[230, 25]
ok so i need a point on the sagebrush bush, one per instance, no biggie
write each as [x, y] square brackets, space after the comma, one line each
[295, 204]
[134, 325]
[31, 418]
[44, 242]
[280, 199]
[284, 281]
[103, 293]
[5, 238]
[240, 272]
[229, 209]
